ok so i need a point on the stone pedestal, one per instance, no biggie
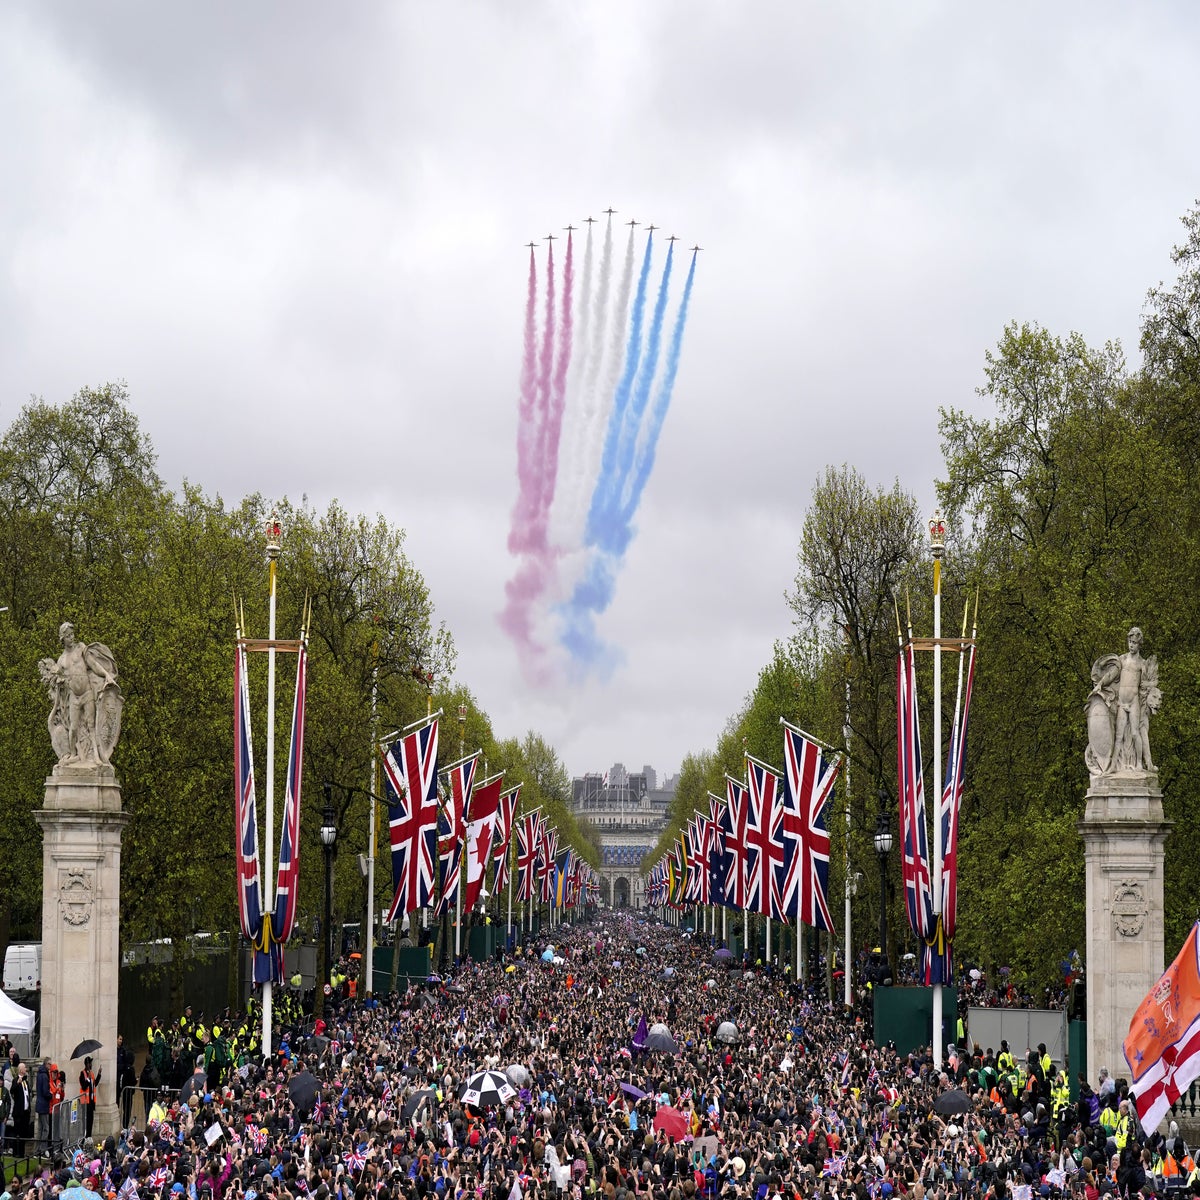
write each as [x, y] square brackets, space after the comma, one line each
[1123, 832]
[82, 824]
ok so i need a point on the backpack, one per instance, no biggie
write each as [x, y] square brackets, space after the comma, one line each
[221, 1055]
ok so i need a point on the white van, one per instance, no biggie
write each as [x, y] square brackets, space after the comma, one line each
[23, 967]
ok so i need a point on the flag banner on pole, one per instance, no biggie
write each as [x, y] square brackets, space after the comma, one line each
[245, 807]
[562, 868]
[699, 833]
[733, 835]
[716, 850]
[452, 829]
[287, 885]
[546, 867]
[764, 841]
[410, 782]
[1162, 1047]
[914, 838]
[528, 841]
[481, 824]
[808, 779]
[502, 838]
[951, 805]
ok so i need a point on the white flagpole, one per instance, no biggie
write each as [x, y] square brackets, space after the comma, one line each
[273, 531]
[847, 965]
[937, 536]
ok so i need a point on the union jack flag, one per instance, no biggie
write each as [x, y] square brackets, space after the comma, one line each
[807, 787]
[716, 850]
[258, 1135]
[410, 775]
[245, 808]
[733, 835]
[956, 759]
[918, 894]
[452, 829]
[157, 1179]
[269, 965]
[764, 841]
[502, 838]
[834, 1166]
[357, 1158]
[528, 841]
[700, 834]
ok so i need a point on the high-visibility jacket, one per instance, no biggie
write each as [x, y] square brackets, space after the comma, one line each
[1121, 1132]
[87, 1087]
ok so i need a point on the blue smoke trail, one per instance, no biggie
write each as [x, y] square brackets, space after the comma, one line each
[616, 534]
[604, 481]
[661, 403]
[615, 510]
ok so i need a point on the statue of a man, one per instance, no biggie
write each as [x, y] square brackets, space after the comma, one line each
[1124, 696]
[86, 703]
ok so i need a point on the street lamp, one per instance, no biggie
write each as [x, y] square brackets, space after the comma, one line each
[328, 838]
[883, 847]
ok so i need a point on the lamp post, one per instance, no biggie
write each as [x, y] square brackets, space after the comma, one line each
[328, 838]
[883, 847]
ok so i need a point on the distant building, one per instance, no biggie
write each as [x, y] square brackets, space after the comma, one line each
[628, 813]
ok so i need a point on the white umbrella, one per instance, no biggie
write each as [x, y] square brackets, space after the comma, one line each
[727, 1032]
[518, 1076]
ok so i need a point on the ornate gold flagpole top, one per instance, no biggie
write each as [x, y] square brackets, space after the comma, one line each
[937, 533]
[274, 533]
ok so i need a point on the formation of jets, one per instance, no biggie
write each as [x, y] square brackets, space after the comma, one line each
[590, 221]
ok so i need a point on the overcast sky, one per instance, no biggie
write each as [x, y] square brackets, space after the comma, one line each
[297, 231]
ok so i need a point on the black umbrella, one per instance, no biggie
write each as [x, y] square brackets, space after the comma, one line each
[87, 1046]
[952, 1103]
[302, 1091]
[416, 1100]
[424, 1000]
[486, 1089]
[197, 1084]
[318, 1044]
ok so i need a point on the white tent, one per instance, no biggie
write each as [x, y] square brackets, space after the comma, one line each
[14, 1018]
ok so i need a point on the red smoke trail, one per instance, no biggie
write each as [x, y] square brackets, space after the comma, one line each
[558, 398]
[527, 428]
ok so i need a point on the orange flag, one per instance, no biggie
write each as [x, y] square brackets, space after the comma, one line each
[1162, 1047]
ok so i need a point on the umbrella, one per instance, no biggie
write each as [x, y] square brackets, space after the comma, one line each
[87, 1046]
[659, 1038]
[723, 955]
[501, 1000]
[356, 955]
[558, 960]
[425, 1000]
[710, 983]
[434, 978]
[317, 1044]
[952, 1103]
[668, 972]
[197, 1085]
[416, 1100]
[727, 1032]
[640, 950]
[635, 1092]
[908, 958]
[672, 1122]
[548, 954]
[302, 1091]
[976, 973]
[510, 968]
[486, 1089]
[518, 1076]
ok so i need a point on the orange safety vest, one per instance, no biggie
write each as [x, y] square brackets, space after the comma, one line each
[87, 1087]
[56, 1089]
[353, 986]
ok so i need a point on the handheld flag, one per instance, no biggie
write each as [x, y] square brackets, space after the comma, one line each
[1162, 1047]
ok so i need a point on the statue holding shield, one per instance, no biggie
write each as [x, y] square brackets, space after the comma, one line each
[86, 702]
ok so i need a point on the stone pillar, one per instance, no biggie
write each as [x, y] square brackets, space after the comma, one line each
[82, 824]
[1123, 833]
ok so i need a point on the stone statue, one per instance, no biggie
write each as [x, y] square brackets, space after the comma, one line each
[1124, 696]
[86, 703]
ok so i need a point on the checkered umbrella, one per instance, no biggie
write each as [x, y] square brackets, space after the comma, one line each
[486, 1089]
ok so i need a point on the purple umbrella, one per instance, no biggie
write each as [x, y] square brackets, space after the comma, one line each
[630, 1090]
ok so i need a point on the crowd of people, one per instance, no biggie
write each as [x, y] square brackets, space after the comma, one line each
[795, 1102]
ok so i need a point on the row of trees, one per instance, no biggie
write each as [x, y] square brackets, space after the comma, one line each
[89, 533]
[1071, 492]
